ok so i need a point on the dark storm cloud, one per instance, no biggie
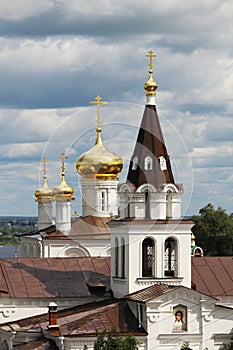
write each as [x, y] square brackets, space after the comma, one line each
[60, 89]
[182, 28]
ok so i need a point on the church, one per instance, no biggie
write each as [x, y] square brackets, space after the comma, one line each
[129, 262]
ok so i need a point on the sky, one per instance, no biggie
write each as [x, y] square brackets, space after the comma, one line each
[57, 55]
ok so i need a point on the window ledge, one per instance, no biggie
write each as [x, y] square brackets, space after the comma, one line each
[154, 280]
[122, 279]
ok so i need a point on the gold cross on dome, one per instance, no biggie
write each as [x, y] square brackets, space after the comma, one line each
[44, 160]
[151, 54]
[63, 157]
[98, 102]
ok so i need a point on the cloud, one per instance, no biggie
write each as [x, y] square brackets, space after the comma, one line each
[56, 56]
[22, 9]
[198, 24]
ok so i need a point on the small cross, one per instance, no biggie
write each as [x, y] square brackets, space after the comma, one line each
[151, 54]
[75, 214]
[63, 157]
[98, 102]
[44, 160]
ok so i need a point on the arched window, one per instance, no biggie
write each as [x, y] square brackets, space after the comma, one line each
[198, 251]
[147, 204]
[170, 263]
[162, 163]
[116, 258]
[135, 163]
[148, 257]
[103, 201]
[123, 258]
[148, 163]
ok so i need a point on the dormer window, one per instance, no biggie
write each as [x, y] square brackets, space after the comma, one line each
[135, 163]
[148, 163]
[162, 163]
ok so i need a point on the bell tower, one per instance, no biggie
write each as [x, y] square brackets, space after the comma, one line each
[151, 241]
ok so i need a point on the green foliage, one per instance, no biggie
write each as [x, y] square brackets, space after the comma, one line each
[228, 346]
[113, 341]
[185, 346]
[213, 230]
[8, 233]
[8, 240]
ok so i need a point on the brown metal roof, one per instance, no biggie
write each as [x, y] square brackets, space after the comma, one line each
[78, 277]
[115, 315]
[85, 320]
[146, 221]
[52, 277]
[150, 292]
[88, 227]
[213, 275]
[150, 142]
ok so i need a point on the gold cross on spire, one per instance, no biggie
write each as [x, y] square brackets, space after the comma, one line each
[98, 102]
[44, 160]
[151, 54]
[63, 157]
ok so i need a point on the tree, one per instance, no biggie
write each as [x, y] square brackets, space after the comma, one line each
[113, 341]
[185, 346]
[228, 346]
[213, 230]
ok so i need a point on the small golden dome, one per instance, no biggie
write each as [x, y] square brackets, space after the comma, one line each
[63, 191]
[99, 162]
[150, 86]
[44, 193]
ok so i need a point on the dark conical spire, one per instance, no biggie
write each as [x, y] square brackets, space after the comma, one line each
[150, 163]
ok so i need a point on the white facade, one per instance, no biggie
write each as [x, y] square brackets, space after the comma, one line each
[13, 309]
[63, 215]
[147, 202]
[44, 214]
[99, 197]
[205, 325]
[127, 244]
[62, 248]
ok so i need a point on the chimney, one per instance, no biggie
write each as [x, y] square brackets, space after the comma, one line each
[53, 315]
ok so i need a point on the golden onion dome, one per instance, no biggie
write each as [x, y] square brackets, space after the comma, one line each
[99, 162]
[63, 191]
[150, 85]
[44, 193]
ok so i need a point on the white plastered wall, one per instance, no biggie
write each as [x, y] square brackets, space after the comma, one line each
[92, 203]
